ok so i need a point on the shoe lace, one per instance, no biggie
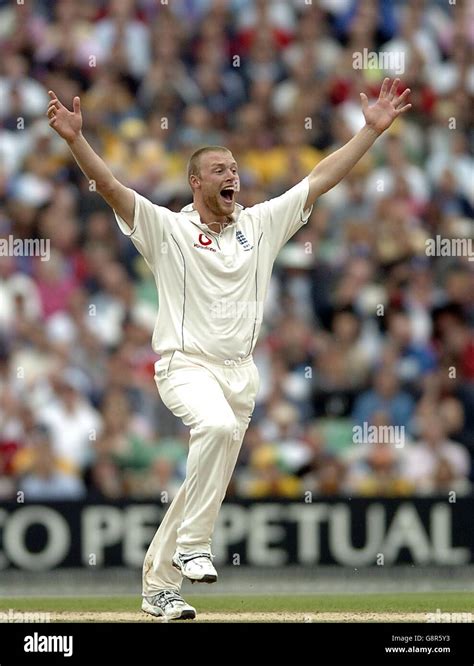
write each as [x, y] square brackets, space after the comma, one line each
[167, 597]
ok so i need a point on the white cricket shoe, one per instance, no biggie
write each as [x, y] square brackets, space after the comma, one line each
[196, 567]
[168, 604]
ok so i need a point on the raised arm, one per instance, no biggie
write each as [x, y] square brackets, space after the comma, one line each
[378, 118]
[68, 124]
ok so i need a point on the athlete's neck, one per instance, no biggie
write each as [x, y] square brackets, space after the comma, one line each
[218, 226]
[215, 223]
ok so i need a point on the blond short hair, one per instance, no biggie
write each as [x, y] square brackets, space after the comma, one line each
[194, 164]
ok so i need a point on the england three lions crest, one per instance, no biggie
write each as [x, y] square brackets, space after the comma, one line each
[243, 240]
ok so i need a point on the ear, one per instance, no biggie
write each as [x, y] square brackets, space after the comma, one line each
[194, 182]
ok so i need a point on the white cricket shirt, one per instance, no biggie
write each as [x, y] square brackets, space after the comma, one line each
[212, 286]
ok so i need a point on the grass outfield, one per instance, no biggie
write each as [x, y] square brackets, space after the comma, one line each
[405, 607]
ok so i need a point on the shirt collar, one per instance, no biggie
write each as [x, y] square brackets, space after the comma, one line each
[193, 215]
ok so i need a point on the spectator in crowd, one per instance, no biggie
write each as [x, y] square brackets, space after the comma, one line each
[386, 396]
[415, 359]
[376, 465]
[325, 471]
[73, 422]
[104, 479]
[378, 473]
[267, 476]
[45, 480]
[144, 466]
[436, 464]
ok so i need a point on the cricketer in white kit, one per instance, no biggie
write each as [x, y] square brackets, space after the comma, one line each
[212, 286]
[212, 264]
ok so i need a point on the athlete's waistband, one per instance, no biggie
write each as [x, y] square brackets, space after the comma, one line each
[227, 362]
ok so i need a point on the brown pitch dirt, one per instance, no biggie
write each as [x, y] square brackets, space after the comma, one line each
[138, 616]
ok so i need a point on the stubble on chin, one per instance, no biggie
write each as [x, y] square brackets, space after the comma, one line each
[214, 205]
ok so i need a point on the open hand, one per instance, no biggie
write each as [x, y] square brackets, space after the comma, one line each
[389, 106]
[67, 123]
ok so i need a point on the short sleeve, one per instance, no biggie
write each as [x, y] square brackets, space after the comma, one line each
[147, 231]
[281, 217]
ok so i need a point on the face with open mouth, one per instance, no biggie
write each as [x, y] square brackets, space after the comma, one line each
[228, 193]
[219, 182]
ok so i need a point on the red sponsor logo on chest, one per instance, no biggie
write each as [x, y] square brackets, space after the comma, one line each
[204, 242]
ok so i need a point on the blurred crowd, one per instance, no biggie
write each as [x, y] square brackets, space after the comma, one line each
[362, 325]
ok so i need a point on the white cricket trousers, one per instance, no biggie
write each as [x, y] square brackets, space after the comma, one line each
[216, 399]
